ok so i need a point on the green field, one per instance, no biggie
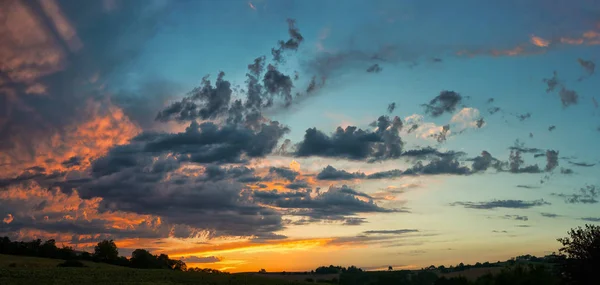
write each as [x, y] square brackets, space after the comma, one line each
[33, 270]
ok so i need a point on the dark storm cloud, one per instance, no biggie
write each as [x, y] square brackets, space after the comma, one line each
[446, 165]
[446, 102]
[331, 173]
[278, 84]
[285, 173]
[218, 206]
[263, 90]
[207, 142]
[354, 143]
[586, 195]
[298, 184]
[80, 227]
[274, 195]
[391, 107]
[484, 161]
[390, 232]
[429, 152]
[582, 164]
[37, 174]
[73, 161]
[100, 44]
[204, 102]
[337, 203]
[494, 204]
[385, 174]
[375, 68]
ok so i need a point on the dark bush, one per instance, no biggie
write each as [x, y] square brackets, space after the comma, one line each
[72, 263]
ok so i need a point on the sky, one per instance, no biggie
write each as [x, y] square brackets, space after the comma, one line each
[286, 135]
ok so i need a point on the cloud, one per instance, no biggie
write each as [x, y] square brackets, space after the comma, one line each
[284, 172]
[467, 118]
[516, 217]
[196, 259]
[49, 54]
[549, 215]
[539, 41]
[446, 165]
[8, 219]
[568, 97]
[582, 164]
[385, 174]
[375, 68]
[516, 162]
[330, 173]
[484, 161]
[551, 160]
[588, 65]
[391, 107]
[586, 195]
[337, 203]
[291, 44]
[446, 102]
[37, 208]
[390, 232]
[354, 143]
[590, 219]
[511, 204]
[354, 221]
[527, 186]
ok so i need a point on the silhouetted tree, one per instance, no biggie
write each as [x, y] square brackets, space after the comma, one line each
[390, 268]
[141, 258]
[106, 251]
[262, 270]
[581, 253]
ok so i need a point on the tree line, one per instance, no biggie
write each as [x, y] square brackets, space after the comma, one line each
[105, 251]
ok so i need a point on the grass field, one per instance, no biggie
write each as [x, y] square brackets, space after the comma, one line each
[472, 273]
[39, 271]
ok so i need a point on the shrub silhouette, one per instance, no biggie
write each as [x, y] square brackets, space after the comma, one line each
[71, 263]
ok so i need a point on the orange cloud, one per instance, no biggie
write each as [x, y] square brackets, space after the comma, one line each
[9, 218]
[539, 41]
[248, 247]
[27, 50]
[105, 127]
[47, 206]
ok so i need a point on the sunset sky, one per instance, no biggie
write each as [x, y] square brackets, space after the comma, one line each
[368, 133]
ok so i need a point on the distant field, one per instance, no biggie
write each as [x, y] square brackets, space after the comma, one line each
[472, 273]
[298, 277]
[40, 271]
